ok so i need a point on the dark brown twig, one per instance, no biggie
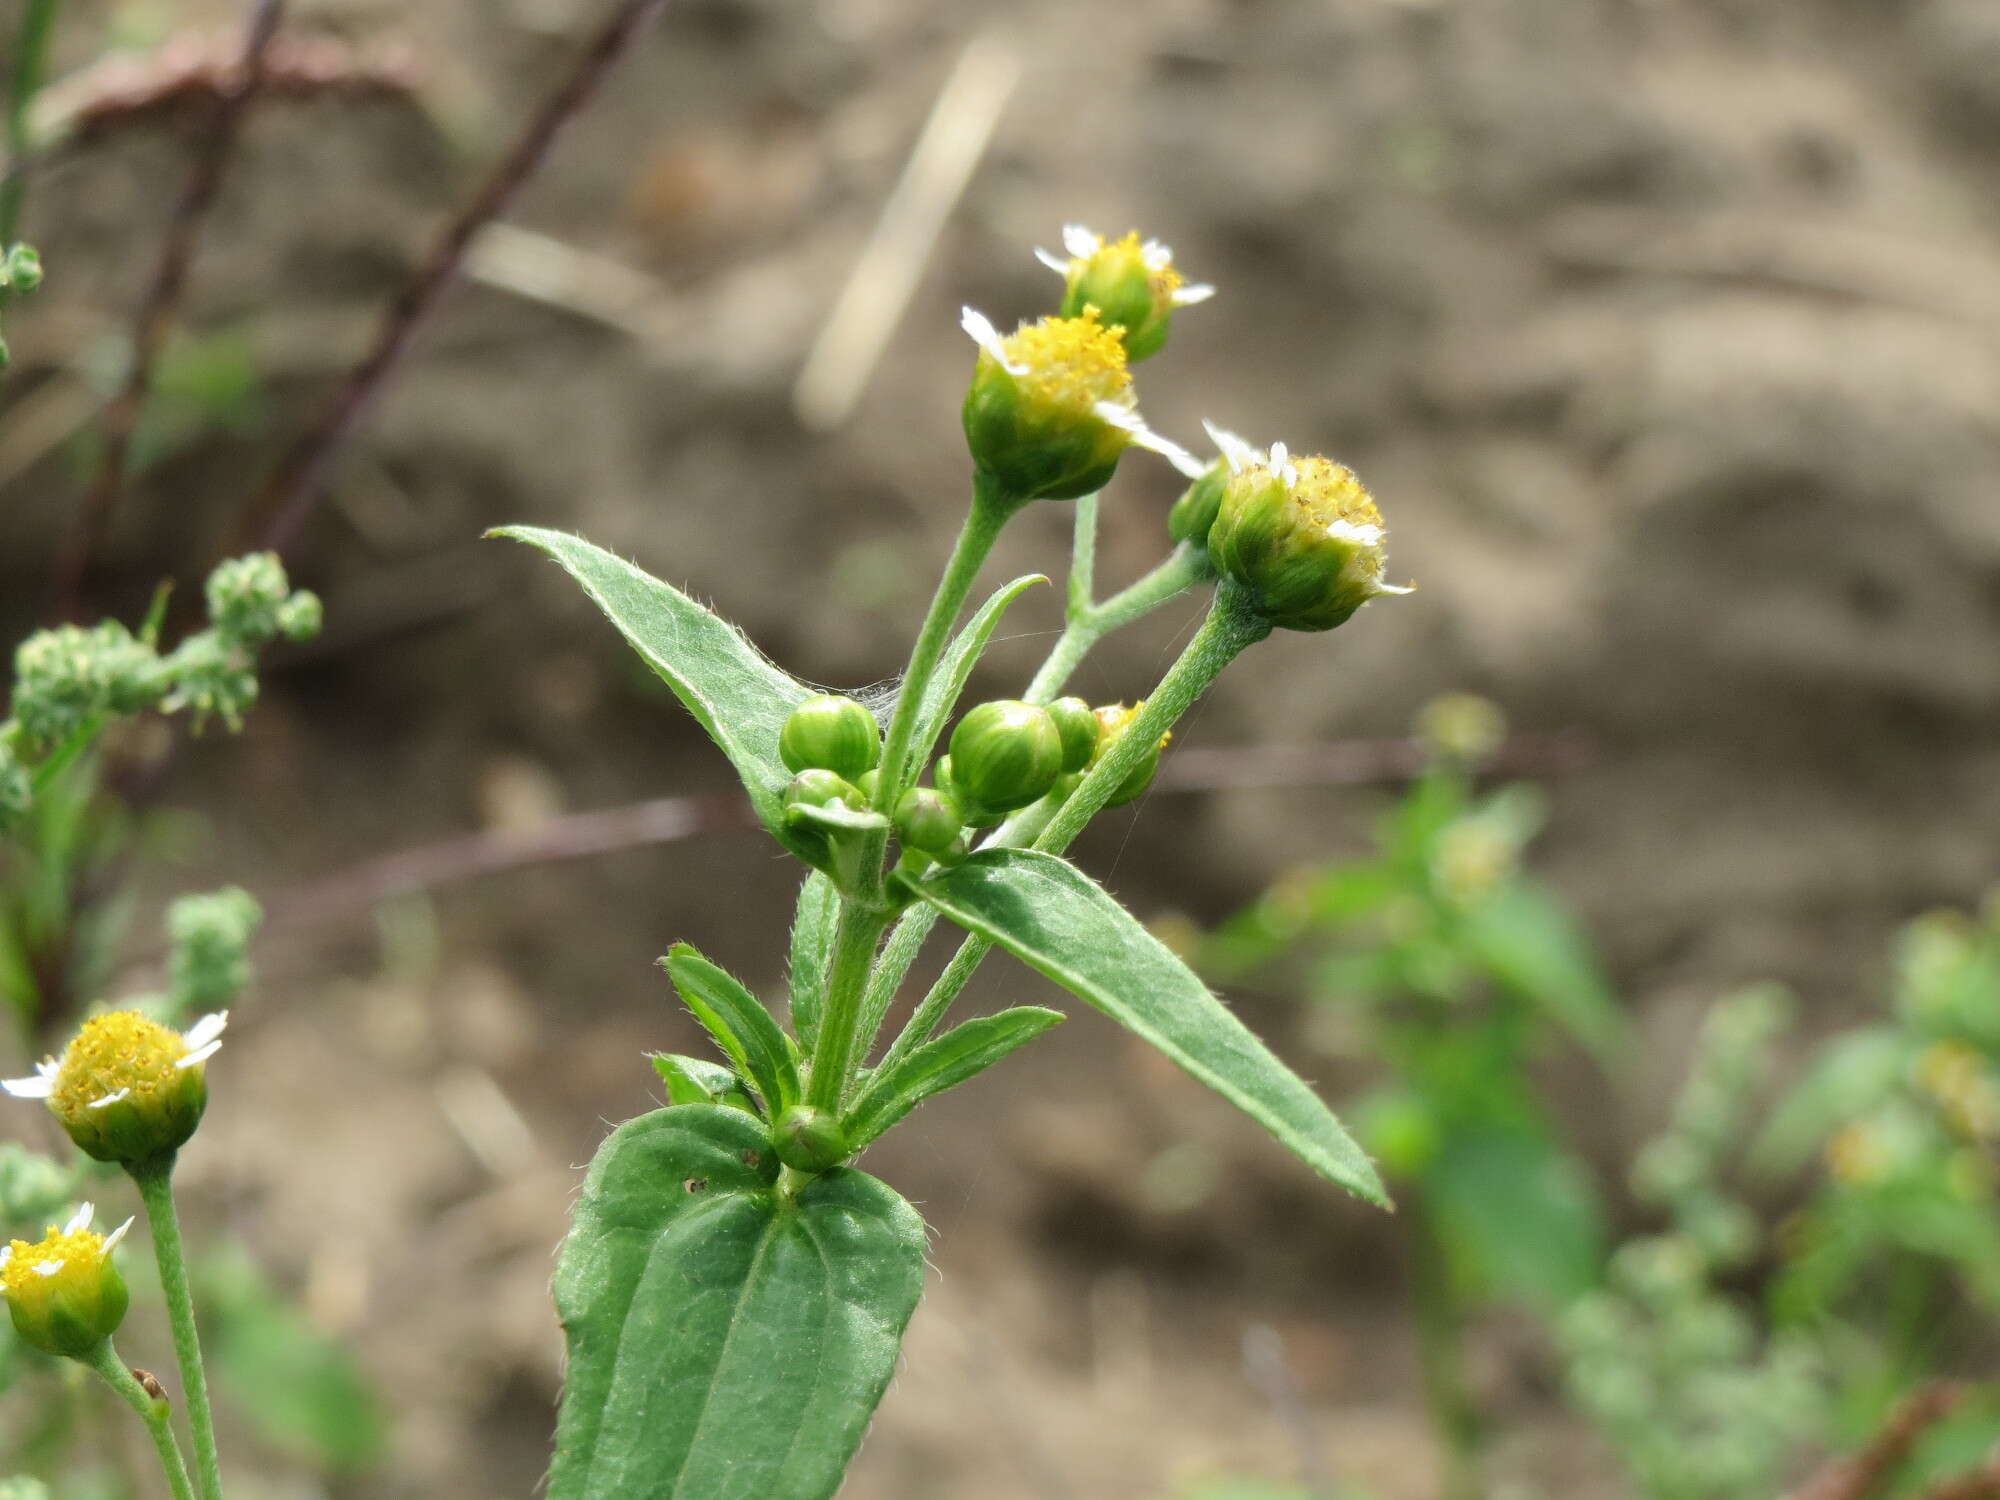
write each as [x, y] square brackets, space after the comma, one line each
[187, 80]
[609, 830]
[157, 309]
[277, 513]
[666, 820]
[1869, 1471]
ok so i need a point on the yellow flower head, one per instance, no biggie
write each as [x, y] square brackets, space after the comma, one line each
[1301, 535]
[128, 1089]
[1133, 285]
[63, 1292]
[1051, 408]
[1113, 720]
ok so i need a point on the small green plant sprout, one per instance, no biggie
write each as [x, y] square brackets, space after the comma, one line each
[1697, 1399]
[1440, 960]
[1894, 1259]
[733, 1290]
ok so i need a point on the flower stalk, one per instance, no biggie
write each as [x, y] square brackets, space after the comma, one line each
[151, 1410]
[156, 1192]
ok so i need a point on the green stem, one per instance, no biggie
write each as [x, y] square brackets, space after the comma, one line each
[840, 1039]
[905, 942]
[937, 1000]
[989, 512]
[1183, 568]
[155, 1414]
[156, 1191]
[1232, 624]
[1083, 559]
[1441, 1338]
[31, 50]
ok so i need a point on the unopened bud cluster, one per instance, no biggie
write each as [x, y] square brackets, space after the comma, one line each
[70, 680]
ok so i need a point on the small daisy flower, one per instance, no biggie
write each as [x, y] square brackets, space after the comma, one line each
[128, 1089]
[1051, 408]
[63, 1292]
[1301, 535]
[1133, 285]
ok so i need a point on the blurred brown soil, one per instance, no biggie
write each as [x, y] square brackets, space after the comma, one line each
[1668, 332]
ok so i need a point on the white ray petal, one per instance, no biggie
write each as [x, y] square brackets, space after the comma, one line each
[1053, 261]
[111, 1098]
[47, 1267]
[207, 1029]
[1156, 255]
[111, 1240]
[199, 1055]
[1239, 454]
[987, 337]
[1367, 533]
[1395, 588]
[6, 1254]
[1193, 292]
[38, 1087]
[1081, 242]
[80, 1219]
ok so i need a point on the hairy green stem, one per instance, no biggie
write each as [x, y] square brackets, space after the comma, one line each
[840, 1038]
[1087, 626]
[990, 511]
[1232, 625]
[906, 940]
[156, 1191]
[31, 50]
[155, 1414]
[1082, 591]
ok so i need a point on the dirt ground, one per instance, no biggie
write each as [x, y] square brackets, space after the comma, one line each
[1666, 331]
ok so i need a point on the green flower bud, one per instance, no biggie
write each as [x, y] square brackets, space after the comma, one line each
[1193, 515]
[1004, 755]
[300, 617]
[1050, 407]
[63, 1292]
[66, 676]
[23, 268]
[245, 595]
[128, 1089]
[1132, 286]
[817, 787]
[830, 733]
[809, 1139]
[1077, 725]
[926, 820]
[17, 789]
[208, 964]
[1301, 536]
[1112, 722]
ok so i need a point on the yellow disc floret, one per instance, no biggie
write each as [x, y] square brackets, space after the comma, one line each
[1071, 362]
[128, 1089]
[63, 1292]
[121, 1049]
[1050, 407]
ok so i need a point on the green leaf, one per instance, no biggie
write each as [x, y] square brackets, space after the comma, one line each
[812, 950]
[301, 1391]
[741, 1027]
[1531, 946]
[942, 1063]
[726, 1341]
[696, 1080]
[960, 657]
[736, 694]
[1517, 1216]
[1057, 920]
